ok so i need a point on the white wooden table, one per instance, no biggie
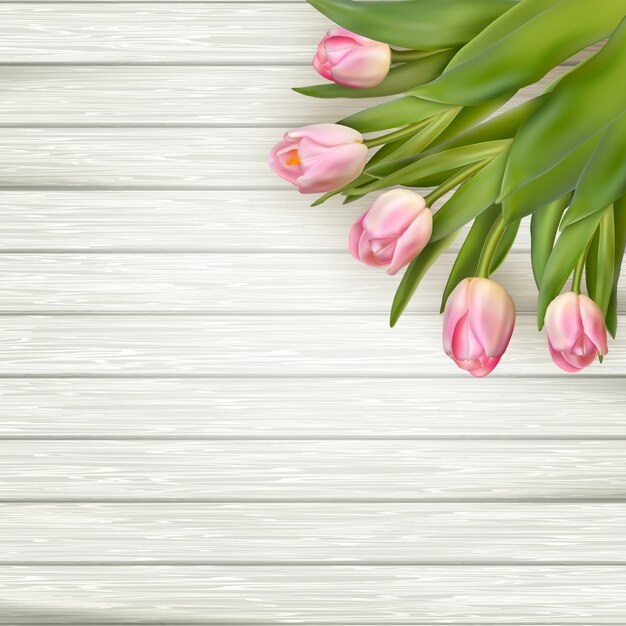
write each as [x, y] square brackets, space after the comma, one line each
[204, 417]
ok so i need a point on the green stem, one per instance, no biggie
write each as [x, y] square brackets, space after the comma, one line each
[402, 56]
[490, 247]
[397, 134]
[578, 270]
[454, 181]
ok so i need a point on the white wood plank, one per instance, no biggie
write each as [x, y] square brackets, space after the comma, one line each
[217, 32]
[166, 221]
[285, 595]
[185, 95]
[431, 470]
[441, 533]
[237, 345]
[223, 283]
[311, 408]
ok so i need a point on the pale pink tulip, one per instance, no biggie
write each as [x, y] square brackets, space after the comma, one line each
[576, 331]
[319, 158]
[393, 231]
[351, 60]
[477, 325]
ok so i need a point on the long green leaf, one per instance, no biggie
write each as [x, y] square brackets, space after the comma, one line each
[400, 79]
[545, 32]
[504, 246]
[619, 217]
[570, 245]
[544, 226]
[577, 109]
[414, 273]
[417, 24]
[393, 114]
[605, 260]
[604, 178]
[560, 180]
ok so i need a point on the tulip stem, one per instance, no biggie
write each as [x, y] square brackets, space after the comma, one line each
[578, 270]
[402, 56]
[396, 134]
[490, 247]
[454, 181]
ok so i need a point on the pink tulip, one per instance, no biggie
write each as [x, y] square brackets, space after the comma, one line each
[478, 324]
[351, 60]
[393, 231]
[576, 331]
[319, 158]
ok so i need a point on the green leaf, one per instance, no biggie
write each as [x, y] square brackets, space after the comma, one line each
[604, 178]
[560, 180]
[591, 266]
[415, 272]
[604, 261]
[543, 33]
[393, 114]
[578, 108]
[400, 79]
[544, 226]
[569, 247]
[619, 217]
[504, 246]
[418, 24]
[467, 260]
[470, 200]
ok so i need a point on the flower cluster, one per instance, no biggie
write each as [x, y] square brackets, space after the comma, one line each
[454, 68]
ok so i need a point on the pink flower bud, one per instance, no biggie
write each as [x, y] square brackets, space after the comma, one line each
[478, 324]
[319, 158]
[351, 60]
[576, 331]
[393, 231]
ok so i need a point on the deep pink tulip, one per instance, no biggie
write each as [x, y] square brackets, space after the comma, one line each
[478, 324]
[319, 158]
[351, 60]
[576, 331]
[393, 231]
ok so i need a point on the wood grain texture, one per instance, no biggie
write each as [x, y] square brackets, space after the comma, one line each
[215, 32]
[316, 470]
[286, 595]
[225, 283]
[284, 408]
[184, 95]
[324, 534]
[262, 345]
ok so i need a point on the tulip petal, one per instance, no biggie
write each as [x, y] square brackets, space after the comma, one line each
[456, 308]
[343, 32]
[593, 323]
[561, 361]
[362, 67]
[491, 315]
[393, 212]
[355, 237]
[412, 241]
[278, 164]
[563, 321]
[365, 252]
[465, 345]
[488, 367]
[336, 168]
[328, 135]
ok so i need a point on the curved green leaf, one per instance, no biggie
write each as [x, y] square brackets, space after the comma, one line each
[399, 112]
[467, 259]
[604, 178]
[470, 200]
[490, 65]
[603, 266]
[400, 79]
[544, 226]
[414, 273]
[504, 245]
[552, 185]
[576, 110]
[569, 247]
[418, 24]
[619, 218]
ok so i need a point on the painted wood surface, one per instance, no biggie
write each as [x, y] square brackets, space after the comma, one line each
[204, 417]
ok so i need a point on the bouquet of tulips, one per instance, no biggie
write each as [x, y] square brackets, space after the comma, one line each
[448, 67]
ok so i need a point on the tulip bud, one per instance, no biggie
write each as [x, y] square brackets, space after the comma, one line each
[351, 60]
[477, 325]
[576, 331]
[319, 158]
[393, 231]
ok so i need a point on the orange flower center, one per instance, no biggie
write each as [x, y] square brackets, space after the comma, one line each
[293, 158]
